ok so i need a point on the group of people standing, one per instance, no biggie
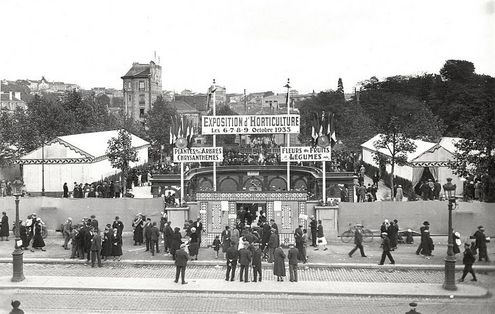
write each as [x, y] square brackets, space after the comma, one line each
[103, 189]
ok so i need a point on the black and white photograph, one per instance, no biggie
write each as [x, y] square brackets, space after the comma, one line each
[247, 156]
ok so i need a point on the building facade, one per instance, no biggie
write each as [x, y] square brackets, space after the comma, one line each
[142, 85]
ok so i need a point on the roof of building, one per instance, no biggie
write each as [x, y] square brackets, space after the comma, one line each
[95, 144]
[183, 107]
[138, 70]
[421, 147]
[196, 101]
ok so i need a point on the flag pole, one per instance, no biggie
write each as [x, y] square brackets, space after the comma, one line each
[324, 184]
[181, 183]
[214, 139]
[288, 135]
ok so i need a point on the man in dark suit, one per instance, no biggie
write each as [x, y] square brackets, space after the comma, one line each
[298, 234]
[231, 255]
[358, 241]
[424, 236]
[468, 261]
[117, 224]
[274, 225]
[245, 257]
[386, 249]
[155, 235]
[293, 261]
[167, 236]
[147, 233]
[256, 262]
[480, 238]
[181, 258]
[95, 247]
[314, 226]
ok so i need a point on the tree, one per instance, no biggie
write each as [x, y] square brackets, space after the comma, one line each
[121, 153]
[475, 155]
[158, 121]
[340, 88]
[457, 70]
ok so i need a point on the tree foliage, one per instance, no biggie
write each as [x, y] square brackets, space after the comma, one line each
[158, 121]
[121, 153]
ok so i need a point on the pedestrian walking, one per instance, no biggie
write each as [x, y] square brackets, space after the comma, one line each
[181, 258]
[426, 226]
[38, 242]
[154, 237]
[480, 244]
[4, 230]
[279, 264]
[393, 233]
[95, 247]
[67, 229]
[428, 245]
[314, 227]
[386, 249]
[358, 241]
[468, 261]
[292, 256]
[322, 242]
[216, 245]
[245, 257]
[232, 255]
[256, 262]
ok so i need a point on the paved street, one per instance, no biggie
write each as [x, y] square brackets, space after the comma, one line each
[76, 301]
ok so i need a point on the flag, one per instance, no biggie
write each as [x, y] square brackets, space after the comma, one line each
[331, 133]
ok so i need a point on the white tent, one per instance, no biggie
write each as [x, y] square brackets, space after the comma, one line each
[77, 158]
[434, 156]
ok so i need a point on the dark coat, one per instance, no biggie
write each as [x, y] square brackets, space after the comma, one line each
[292, 256]
[147, 230]
[480, 239]
[175, 240]
[232, 253]
[107, 243]
[117, 245]
[279, 262]
[257, 257]
[313, 225]
[273, 242]
[245, 256]
[155, 233]
[225, 240]
[386, 244]
[96, 243]
[38, 238]
[358, 237]
[320, 231]
[181, 257]
[119, 225]
[5, 227]
[468, 258]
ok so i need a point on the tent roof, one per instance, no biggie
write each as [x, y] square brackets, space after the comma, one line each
[95, 144]
[421, 147]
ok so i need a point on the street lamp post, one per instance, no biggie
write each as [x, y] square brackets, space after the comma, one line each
[449, 283]
[17, 255]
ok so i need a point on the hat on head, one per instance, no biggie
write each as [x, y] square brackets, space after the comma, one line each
[359, 225]
[384, 233]
[193, 229]
[15, 304]
[426, 223]
[386, 221]
[108, 225]
[481, 227]
[396, 221]
[467, 244]
[300, 225]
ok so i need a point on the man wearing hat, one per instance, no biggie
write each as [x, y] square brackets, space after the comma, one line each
[67, 229]
[426, 226]
[293, 261]
[298, 234]
[480, 244]
[231, 255]
[468, 261]
[181, 258]
[313, 226]
[358, 241]
[256, 262]
[245, 257]
[95, 247]
[386, 249]
[413, 306]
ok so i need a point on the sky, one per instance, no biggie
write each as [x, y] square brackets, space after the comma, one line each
[252, 44]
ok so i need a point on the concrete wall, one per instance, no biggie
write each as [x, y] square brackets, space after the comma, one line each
[54, 211]
[466, 217]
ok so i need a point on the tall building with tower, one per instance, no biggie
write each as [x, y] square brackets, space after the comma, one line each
[142, 85]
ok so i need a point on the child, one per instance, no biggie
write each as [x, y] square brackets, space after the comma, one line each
[468, 262]
[216, 245]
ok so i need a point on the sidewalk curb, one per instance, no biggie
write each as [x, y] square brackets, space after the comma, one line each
[404, 267]
[304, 289]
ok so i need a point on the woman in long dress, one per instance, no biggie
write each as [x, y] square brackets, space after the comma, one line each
[175, 242]
[107, 244]
[193, 245]
[137, 224]
[279, 264]
[117, 245]
[38, 242]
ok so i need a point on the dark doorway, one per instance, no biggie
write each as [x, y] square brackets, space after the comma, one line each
[249, 213]
[424, 178]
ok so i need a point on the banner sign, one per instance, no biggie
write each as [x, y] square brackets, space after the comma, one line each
[198, 154]
[305, 153]
[251, 124]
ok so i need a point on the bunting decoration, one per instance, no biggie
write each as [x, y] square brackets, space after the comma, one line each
[323, 130]
[181, 132]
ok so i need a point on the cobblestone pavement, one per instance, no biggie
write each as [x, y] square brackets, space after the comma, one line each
[115, 269]
[336, 253]
[64, 301]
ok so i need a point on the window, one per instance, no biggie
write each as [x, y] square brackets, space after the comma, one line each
[141, 85]
[129, 85]
[141, 112]
[141, 99]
